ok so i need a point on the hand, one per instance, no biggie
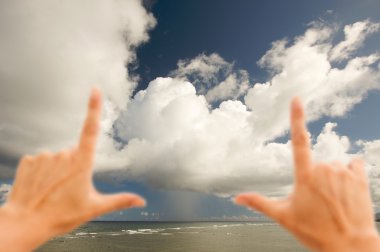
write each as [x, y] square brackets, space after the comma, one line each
[330, 208]
[53, 193]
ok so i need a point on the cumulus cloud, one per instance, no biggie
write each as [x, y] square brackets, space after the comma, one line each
[355, 35]
[182, 144]
[370, 151]
[330, 146]
[303, 68]
[52, 53]
[213, 77]
[175, 139]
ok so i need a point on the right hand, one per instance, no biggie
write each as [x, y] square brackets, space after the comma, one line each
[330, 208]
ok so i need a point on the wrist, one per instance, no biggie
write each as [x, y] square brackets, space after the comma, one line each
[20, 231]
[368, 241]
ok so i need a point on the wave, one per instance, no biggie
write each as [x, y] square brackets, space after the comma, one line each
[166, 230]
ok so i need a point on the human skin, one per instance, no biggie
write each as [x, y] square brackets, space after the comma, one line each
[330, 208]
[53, 193]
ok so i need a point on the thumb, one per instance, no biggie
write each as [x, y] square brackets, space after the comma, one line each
[260, 203]
[114, 202]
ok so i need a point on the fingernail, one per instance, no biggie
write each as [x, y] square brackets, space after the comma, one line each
[296, 102]
[240, 200]
[95, 91]
[139, 202]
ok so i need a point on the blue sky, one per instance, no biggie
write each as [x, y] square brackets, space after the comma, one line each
[242, 32]
[232, 36]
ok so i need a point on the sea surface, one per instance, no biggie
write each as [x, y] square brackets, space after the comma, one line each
[175, 236]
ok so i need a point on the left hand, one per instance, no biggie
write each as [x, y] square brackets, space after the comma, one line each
[53, 192]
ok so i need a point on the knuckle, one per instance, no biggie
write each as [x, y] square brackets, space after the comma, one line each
[28, 159]
[297, 113]
[350, 177]
[45, 155]
[93, 105]
[299, 138]
[341, 173]
[357, 161]
[91, 128]
[338, 164]
[337, 170]
[304, 177]
[63, 155]
[323, 167]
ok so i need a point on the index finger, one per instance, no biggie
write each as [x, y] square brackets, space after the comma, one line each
[300, 139]
[90, 128]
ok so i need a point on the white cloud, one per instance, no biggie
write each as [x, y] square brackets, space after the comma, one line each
[172, 134]
[52, 53]
[330, 146]
[303, 68]
[234, 86]
[174, 141]
[213, 77]
[177, 140]
[371, 153]
[355, 34]
[371, 150]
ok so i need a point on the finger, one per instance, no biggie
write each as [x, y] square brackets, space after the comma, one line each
[43, 165]
[24, 172]
[260, 203]
[43, 161]
[25, 168]
[90, 129]
[300, 140]
[338, 166]
[356, 165]
[114, 202]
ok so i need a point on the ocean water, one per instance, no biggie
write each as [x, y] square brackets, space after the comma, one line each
[175, 236]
